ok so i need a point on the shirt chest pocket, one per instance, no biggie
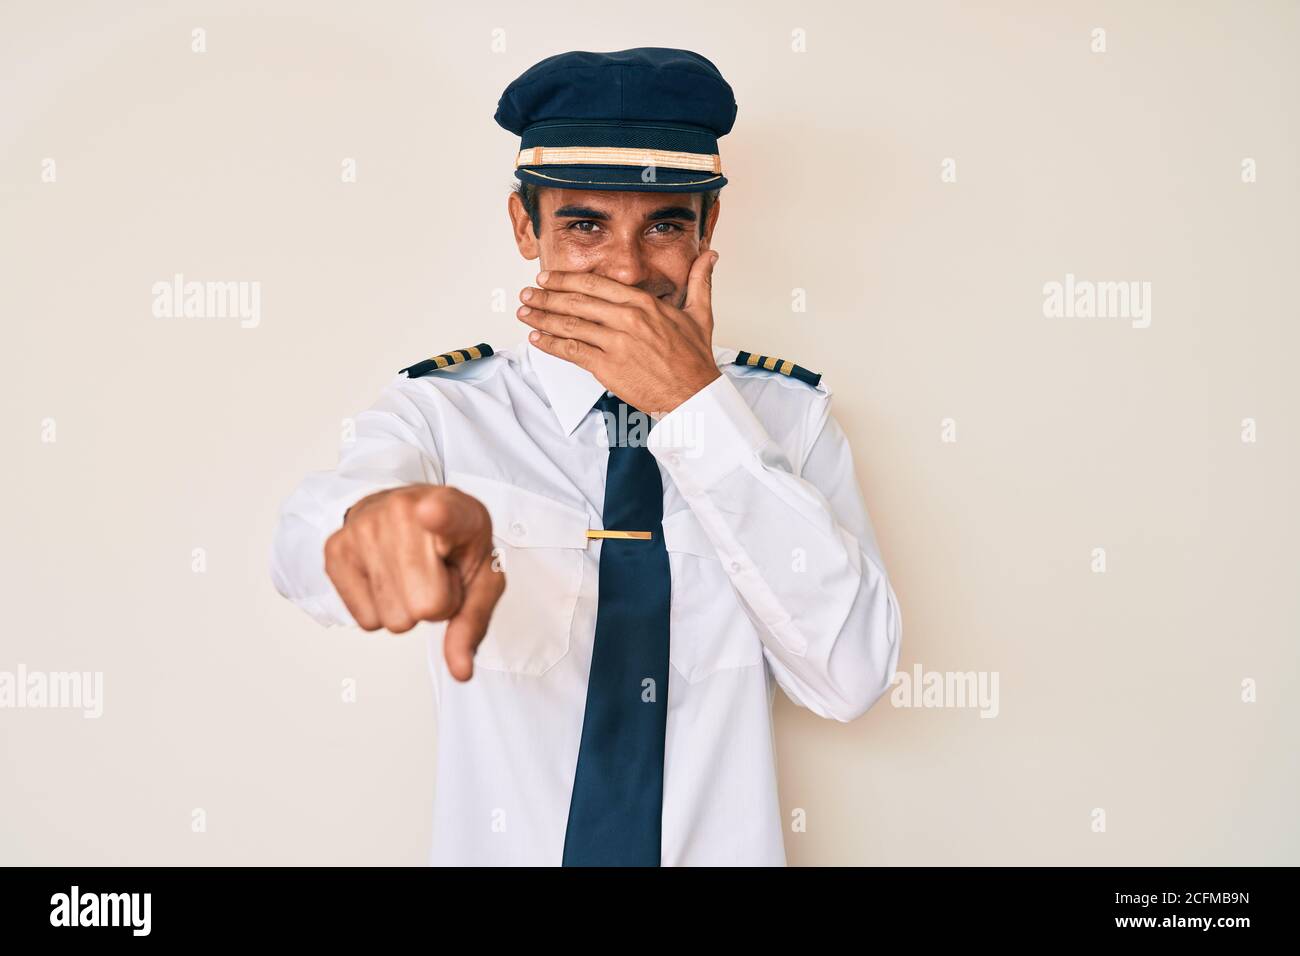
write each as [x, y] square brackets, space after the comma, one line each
[710, 630]
[539, 544]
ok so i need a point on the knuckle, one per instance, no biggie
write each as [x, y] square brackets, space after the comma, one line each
[399, 513]
[442, 607]
[437, 606]
[382, 590]
[425, 607]
[335, 550]
[367, 622]
[364, 528]
[434, 604]
[399, 623]
[364, 614]
[573, 348]
[405, 502]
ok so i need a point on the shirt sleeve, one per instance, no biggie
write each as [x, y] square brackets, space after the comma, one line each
[393, 447]
[796, 542]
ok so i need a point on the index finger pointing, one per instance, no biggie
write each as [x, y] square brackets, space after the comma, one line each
[467, 628]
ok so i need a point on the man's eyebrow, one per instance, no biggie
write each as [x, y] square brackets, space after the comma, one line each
[672, 212]
[579, 212]
[586, 212]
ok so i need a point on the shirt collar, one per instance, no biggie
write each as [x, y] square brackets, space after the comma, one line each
[571, 389]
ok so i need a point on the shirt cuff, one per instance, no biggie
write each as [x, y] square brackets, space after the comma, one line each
[707, 437]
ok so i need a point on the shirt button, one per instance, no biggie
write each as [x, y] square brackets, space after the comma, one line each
[735, 567]
[517, 529]
[674, 459]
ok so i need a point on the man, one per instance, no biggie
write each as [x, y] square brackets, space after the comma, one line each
[618, 537]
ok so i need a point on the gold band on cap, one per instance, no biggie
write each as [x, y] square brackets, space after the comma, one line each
[588, 183]
[617, 156]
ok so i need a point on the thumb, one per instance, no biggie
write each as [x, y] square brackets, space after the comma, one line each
[699, 287]
[455, 517]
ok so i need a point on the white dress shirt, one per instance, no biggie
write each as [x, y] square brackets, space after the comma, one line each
[776, 579]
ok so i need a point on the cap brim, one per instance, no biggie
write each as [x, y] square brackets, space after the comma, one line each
[620, 178]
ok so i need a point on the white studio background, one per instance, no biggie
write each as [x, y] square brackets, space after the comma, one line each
[906, 181]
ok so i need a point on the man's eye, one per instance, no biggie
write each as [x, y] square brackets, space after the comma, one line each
[667, 227]
[583, 222]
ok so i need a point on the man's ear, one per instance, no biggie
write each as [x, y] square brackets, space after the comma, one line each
[710, 224]
[522, 227]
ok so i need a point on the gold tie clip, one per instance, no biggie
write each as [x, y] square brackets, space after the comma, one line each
[638, 535]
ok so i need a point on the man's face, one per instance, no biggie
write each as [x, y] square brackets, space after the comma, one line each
[644, 240]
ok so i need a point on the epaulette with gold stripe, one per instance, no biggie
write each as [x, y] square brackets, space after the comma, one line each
[446, 359]
[778, 365]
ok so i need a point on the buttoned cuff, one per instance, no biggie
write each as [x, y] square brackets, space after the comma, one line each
[707, 437]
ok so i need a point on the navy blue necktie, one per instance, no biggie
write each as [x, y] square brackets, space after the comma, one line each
[617, 803]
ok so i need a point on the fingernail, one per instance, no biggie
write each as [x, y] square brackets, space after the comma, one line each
[534, 336]
[542, 277]
[524, 310]
[527, 294]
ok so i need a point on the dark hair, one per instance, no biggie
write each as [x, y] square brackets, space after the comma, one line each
[529, 193]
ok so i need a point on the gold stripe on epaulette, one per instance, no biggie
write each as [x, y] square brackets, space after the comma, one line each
[773, 364]
[447, 360]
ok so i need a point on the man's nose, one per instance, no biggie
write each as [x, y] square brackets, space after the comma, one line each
[623, 262]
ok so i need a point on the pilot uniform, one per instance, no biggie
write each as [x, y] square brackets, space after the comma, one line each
[772, 575]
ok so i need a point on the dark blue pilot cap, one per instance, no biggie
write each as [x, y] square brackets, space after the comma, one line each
[646, 120]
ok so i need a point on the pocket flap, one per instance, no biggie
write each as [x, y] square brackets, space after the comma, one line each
[524, 519]
[683, 532]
